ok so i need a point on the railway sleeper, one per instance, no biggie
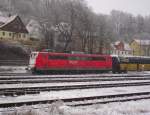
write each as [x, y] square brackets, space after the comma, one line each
[13, 93]
[18, 93]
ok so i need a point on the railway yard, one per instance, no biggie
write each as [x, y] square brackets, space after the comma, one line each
[33, 92]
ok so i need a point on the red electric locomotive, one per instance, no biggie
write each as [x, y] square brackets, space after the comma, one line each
[60, 62]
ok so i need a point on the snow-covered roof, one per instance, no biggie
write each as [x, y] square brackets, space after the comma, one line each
[6, 20]
[32, 25]
[132, 56]
[33, 28]
[3, 20]
[143, 42]
[117, 42]
[33, 22]
[112, 46]
[127, 47]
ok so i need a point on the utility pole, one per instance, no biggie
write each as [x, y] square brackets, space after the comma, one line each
[140, 48]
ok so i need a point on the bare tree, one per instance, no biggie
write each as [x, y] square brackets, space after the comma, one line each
[64, 31]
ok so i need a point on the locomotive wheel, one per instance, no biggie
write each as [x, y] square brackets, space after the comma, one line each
[34, 72]
[114, 72]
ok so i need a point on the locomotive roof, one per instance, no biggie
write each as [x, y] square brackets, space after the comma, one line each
[76, 54]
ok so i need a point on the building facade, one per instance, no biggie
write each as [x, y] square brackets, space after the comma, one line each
[140, 47]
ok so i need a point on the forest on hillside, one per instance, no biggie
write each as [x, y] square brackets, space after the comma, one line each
[75, 18]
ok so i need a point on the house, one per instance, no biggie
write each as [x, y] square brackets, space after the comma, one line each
[140, 47]
[12, 29]
[120, 48]
[33, 28]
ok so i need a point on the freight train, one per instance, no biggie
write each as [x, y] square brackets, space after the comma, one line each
[45, 61]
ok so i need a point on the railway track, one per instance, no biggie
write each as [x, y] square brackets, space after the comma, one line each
[84, 101]
[79, 101]
[26, 74]
[33, 80]
[110, 99]
[16, 91]
[22, 76]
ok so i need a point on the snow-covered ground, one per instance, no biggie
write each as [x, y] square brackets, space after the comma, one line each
[141, 107]
[13, 69]
[126, 108]
[58, 95]
[59, 108]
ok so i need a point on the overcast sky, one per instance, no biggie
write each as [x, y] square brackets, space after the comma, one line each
[131, 6]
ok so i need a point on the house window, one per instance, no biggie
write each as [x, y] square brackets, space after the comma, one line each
[19, 35]
[9, 34]
[13, 36]
[3, 33]
[24, 35]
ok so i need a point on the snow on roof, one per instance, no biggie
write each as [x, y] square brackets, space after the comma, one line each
[7, 20]
[112, 46]
[127, 47]
[3, 19]
[33, 25]
[143, 42]
[117, 42]
[33, 28]
[132, 56]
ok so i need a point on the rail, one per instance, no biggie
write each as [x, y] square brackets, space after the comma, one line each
[34, 80]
